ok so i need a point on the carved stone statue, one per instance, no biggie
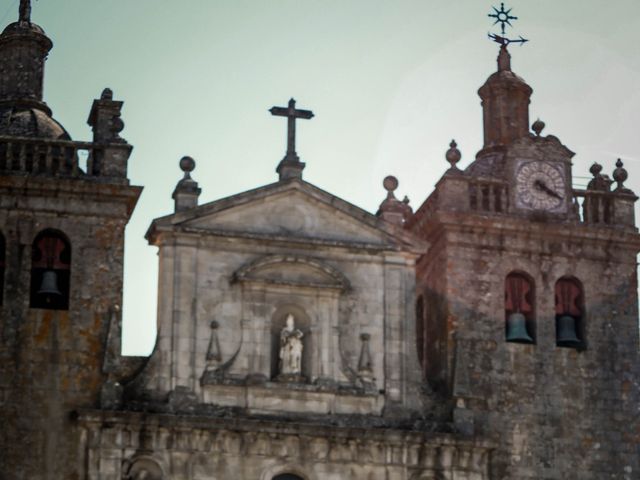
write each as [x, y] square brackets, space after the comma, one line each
[291, 349]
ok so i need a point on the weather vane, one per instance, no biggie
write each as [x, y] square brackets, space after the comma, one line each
[504, 17]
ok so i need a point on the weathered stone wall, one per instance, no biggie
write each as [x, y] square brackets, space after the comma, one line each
[556, 413]
[431, 285]
[198, 448]
[51, 360]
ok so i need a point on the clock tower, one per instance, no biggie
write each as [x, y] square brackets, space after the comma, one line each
[539, 167]
[527, 303]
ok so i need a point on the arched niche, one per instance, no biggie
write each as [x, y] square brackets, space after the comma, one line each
[303, 323]
[143, 468]
[427, 476]
[287, 472]
[273, 286]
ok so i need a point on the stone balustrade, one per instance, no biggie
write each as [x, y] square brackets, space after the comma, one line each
[594, 206]
[62, 158]
[488, 196]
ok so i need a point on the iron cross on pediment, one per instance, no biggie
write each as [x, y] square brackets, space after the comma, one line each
[292, 115]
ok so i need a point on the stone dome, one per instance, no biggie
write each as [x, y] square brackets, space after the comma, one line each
[505, 79]
[30, 122]
[22, 28]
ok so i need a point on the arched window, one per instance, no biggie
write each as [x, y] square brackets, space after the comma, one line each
[287, 476]
[569, 313]
[50, 271]
[421, 334]
[3, 256]
[519, 302]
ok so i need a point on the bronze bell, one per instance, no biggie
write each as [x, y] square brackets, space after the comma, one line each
[567, 335]
[517, 329]
[49, 285]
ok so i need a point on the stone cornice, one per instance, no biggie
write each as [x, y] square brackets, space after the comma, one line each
[157, 235]
[149, 421]
[29, 188]
[459, 227]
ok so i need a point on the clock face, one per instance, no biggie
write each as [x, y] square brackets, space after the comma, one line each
[540, 186]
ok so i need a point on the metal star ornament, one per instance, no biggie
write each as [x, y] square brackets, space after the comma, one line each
[503, 17]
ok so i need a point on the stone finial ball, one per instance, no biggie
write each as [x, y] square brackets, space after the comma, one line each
[620, 174]
[390, 183]
[187, 164]
[214, 324]
[453, 155]
[107, 94]
[595, 169]
[538, 126]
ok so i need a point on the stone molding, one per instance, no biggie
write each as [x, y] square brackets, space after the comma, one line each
[156, 231]
[337, 279]
[280, 397]
[457, 228]
[159, 436]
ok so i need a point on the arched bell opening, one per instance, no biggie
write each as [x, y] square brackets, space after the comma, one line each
[50, 271]
[519, 308]
[3, 256]
[569, 303]
[288, 476]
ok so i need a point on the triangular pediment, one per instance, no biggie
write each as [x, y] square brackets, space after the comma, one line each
[294, 210]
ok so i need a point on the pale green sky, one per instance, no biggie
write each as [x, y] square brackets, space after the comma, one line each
[391, 82]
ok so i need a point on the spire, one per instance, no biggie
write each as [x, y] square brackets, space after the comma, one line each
[504, 59]
[25, 11]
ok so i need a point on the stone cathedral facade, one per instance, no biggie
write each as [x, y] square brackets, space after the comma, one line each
[492, 334]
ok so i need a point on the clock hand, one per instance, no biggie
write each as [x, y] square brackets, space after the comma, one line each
[540, 185]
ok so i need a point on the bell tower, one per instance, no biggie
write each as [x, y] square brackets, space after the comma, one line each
[64, 205]
[528, 298]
